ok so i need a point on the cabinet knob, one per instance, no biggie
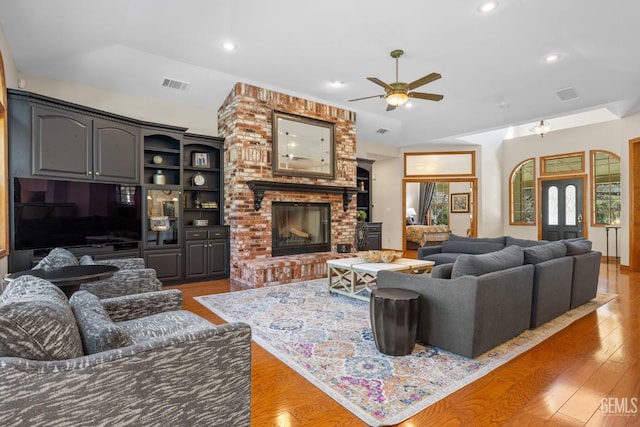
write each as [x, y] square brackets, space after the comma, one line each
[89, 172]
[97, 173]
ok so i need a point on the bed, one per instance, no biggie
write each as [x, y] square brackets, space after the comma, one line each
[426, 235]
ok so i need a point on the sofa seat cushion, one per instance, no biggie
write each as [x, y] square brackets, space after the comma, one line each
[57, 257]
[477, 265]
[541, 253]
[36, 322]
[162, 324]
[97, 330]
[470, 247]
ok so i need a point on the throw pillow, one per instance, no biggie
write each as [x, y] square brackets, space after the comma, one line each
[36, 322]
[477, 265]
[97, 330]
[577, 247]
[58, 257]
[442, 271]
[86, 260]
[541, 253]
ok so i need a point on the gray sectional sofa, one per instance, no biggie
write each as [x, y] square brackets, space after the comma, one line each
[135, 360]
[449, 250]
[481, 300]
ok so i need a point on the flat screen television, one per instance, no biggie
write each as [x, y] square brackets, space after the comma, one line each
[54, 213]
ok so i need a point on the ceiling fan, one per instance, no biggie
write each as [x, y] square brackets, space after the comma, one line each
[397, 93]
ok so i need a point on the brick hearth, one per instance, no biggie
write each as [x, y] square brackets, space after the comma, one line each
[244, 120]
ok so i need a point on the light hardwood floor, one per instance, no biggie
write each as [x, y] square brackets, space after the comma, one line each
[559, 382]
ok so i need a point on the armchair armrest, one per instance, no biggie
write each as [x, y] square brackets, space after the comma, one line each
[429, 250]
[139, 305]
[123, 263]
[200, 377]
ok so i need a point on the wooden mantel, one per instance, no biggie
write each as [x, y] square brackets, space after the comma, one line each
[259, 188]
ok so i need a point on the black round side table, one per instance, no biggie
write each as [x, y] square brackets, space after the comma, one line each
[394, 320]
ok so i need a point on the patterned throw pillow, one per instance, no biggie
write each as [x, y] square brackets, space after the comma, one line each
[97, 330]
[36, 322]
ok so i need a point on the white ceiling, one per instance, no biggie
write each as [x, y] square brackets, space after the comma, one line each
[492, 65]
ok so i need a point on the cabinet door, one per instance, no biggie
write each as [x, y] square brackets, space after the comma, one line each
[61, 144]
[115, 152]
[218, 257]
[196, 261]
[168, 264]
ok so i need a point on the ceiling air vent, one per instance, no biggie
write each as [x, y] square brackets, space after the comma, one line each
[567, 94]
[175, 84]
[382, 130]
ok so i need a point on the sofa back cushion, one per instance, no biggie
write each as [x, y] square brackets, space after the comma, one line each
[57, 257]
[541, 253]
[455, 237]
[97, 330]
[36, 322]
[477, 265]
[577, 247]
[524, 243]
[470, 247]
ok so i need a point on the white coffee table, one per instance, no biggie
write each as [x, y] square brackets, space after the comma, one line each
[355, 277]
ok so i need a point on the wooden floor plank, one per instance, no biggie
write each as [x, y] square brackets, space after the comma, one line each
[560, 382]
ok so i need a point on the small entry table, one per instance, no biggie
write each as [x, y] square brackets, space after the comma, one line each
[616, 228]
[68, 278]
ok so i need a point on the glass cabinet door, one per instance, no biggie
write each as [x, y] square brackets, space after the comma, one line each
[162, 218]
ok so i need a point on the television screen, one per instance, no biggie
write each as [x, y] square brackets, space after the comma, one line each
[51, 213]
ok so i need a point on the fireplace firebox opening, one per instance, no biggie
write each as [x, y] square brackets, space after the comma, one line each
[299, 228]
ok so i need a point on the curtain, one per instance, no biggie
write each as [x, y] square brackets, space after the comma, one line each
[426, 194]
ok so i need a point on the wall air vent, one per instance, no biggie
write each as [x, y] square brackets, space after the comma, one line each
[382, 130]
[175, 84]
[567, 94]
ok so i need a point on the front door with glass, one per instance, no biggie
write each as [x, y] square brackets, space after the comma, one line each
[562, 209]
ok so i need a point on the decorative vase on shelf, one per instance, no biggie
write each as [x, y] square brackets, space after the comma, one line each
[159, 178]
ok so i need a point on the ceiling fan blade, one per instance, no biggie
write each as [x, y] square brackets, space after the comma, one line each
[367, 97]
[423, 81]
[380, 83]
[391, 107]
[427, 96]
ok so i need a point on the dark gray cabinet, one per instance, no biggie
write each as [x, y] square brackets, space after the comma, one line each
[374, 232]
[207, 252]
[167, 263]
[73, 145]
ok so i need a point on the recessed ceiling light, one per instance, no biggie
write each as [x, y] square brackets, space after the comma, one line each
[336, 83]
[552, 57]
[228, 46]
[488, 6]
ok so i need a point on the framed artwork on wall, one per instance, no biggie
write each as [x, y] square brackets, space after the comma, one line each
[200, 160]
[459, 202]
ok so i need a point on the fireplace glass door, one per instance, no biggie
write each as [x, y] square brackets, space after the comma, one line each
[301, 228]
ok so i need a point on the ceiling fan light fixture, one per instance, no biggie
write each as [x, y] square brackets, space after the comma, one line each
[540, 129]
[397, 98]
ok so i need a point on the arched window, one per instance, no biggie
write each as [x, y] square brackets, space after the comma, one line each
[522, 194]
[605, 188]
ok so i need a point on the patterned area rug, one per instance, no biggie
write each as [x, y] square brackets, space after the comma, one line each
[327, 339]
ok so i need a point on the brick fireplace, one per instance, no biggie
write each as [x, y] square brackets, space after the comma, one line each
[244, 120]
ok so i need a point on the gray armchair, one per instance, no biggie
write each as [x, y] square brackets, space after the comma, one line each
[136, 360]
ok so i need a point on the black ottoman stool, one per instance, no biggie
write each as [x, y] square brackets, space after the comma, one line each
[394, 320]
